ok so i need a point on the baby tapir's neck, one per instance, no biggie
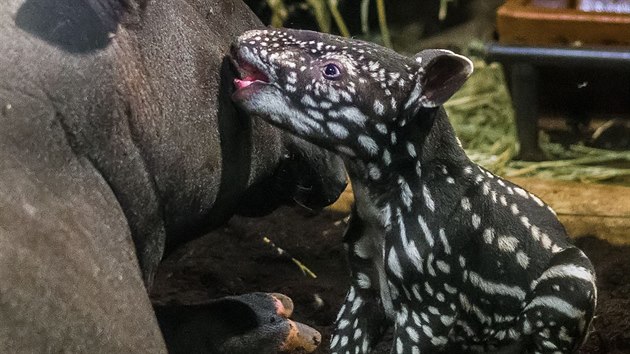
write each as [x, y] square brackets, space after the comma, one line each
[417, 151]
[422, 168]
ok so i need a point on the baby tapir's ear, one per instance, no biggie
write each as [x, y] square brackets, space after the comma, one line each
[441, 74]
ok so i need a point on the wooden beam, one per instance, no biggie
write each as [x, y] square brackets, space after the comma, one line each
[584, 209]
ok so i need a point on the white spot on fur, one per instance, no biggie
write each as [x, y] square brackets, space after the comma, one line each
[416, 292]
[447, 247]
[525, 221]
[411, 150]
[546, 241]
[465, 204]
[344, 341]
[368, 144]
[307, 100]
[317, 115]
[405, 193]
[354, 115]
[450, 289]
[356, 304]
[537, 200]
[334, 341]
[413, 334]
[426, 231]
[379, 109]
[507, 243]
[521, 192]
[387, 157]
[476, 221]
[443, 266]
[363, 281]
[428, 288]
[414, 255]
[536, 232]
[522, 259]
[399, 346]
[428, 200]
[486, 188]
[488, 235]
[338, 130]
[394, 264]
[374, 172]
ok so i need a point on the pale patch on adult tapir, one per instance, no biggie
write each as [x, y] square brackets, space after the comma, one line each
[459, 259]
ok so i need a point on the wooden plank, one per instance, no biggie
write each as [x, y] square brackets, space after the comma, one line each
[584, 209]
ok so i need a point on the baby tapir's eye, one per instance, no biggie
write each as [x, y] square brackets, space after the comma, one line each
[331, 71]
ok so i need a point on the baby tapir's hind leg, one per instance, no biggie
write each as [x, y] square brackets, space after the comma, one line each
[361, 320]
[557, 318]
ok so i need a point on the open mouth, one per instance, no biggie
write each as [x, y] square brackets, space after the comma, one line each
[248, 75]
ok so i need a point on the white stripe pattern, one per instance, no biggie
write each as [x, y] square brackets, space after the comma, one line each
[425, 230]
[557, 304]
[493, 288]
[564, 271]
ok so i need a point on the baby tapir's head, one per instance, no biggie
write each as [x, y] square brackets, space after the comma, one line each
[343, 94]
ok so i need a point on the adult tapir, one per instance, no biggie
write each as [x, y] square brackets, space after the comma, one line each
[118, 141]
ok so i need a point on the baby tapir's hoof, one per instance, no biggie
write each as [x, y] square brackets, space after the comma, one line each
[251, 323]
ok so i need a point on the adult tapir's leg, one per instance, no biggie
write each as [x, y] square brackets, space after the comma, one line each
[69, 276]
[251, 323]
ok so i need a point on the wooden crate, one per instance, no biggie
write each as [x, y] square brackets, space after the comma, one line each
[563, 22]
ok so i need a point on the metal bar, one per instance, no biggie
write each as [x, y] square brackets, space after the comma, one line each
[617, 59]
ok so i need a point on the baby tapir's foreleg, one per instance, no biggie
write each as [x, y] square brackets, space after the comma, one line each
[361, 320]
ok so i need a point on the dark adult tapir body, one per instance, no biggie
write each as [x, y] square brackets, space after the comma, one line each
[118, 141]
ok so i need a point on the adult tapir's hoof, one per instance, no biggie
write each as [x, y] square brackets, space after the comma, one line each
[251, 323]
[274, 331]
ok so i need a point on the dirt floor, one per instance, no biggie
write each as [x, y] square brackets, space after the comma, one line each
[235, 260]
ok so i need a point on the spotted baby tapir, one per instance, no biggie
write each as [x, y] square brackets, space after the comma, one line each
[455, 258]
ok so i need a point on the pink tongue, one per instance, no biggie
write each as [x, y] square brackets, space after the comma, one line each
[241, 84]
